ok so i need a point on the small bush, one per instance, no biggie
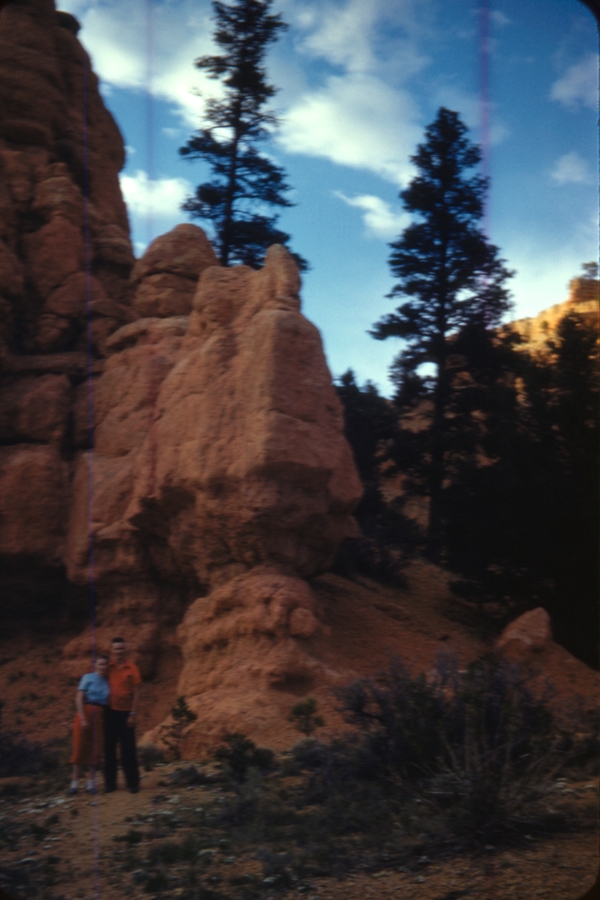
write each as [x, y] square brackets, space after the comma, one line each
[181, 717]
[131, 837]
[149, 755]
[188, 776]
[303, 715]
[240, 754]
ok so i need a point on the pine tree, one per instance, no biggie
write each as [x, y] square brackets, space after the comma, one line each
[452, 279]
[243, 180]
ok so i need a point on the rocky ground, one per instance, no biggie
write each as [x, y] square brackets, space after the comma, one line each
[53, 846]
[122, 846]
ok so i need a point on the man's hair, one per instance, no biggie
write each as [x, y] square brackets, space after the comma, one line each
[102, 656]
[118, 640]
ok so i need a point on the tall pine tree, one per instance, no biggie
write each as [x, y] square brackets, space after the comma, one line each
[244, 182]
[452, 279]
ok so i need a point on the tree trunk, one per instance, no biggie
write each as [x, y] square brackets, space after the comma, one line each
[436, 472]
[231, 186]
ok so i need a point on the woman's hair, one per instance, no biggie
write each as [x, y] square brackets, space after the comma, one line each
[118, 640]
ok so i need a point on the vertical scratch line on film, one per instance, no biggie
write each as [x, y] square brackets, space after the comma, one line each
[90, 369]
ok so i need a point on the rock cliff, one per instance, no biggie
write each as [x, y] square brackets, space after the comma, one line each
[65, 260]
[583, 299]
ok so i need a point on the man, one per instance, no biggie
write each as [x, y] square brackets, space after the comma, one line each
[119, 722]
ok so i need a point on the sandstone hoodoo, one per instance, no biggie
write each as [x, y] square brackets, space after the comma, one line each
[219, 468]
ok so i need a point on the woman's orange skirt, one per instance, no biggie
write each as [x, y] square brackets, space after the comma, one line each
[87, 742]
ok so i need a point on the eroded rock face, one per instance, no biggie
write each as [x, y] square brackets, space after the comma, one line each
[166, 275]
[60, 209]
[535, 332]
[220, 465]
[231, 430]
[48, 161]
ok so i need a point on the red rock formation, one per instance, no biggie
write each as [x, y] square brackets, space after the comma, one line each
[167, 273]
[220, 466]
[584, 299]
[57, 143]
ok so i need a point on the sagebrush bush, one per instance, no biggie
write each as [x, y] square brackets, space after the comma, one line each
[473, 743]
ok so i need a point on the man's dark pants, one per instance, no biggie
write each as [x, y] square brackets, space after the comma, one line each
[117, 731]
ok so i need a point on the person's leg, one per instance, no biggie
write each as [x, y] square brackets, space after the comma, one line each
[129, 758]
[96, 719]
[76, 755]
[74, 780]
[111, 736]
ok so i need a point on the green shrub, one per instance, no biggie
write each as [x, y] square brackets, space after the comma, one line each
[303, 715]
[149, 755]
[240, 754]
[473, 743]
[181, 717]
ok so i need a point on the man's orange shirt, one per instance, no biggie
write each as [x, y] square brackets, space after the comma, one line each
[122, 681]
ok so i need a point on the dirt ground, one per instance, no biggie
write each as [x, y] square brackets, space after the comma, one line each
[88, 864]
[76, 855]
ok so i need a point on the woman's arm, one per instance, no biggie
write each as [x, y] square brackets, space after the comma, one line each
[79, 700]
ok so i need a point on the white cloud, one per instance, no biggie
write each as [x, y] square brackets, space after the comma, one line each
[131, 50]
[343, 34]
[358, 121]
[355, 34]
[362, 117]
[571, 168]
[161, 198]
[379, 218]
[172, 132]
[499, 19]
[579, 84]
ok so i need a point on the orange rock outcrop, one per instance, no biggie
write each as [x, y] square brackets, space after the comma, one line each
[65, 260]
[583, 299]
[220, 469]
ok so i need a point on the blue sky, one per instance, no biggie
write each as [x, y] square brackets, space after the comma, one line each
[359, 81]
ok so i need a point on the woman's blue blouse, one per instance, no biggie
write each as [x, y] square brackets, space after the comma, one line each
[95, 688]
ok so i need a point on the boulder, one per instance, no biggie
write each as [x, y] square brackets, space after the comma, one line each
[184, 251]
[531, 632]
[167, 273]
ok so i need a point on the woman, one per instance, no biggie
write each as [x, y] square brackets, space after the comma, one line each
[92, 694]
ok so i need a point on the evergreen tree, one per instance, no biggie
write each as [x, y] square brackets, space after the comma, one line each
[453, 280]
[243, 180]
[388, 536]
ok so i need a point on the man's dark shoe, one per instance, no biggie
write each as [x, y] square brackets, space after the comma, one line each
[109, 790]
[133, 790]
